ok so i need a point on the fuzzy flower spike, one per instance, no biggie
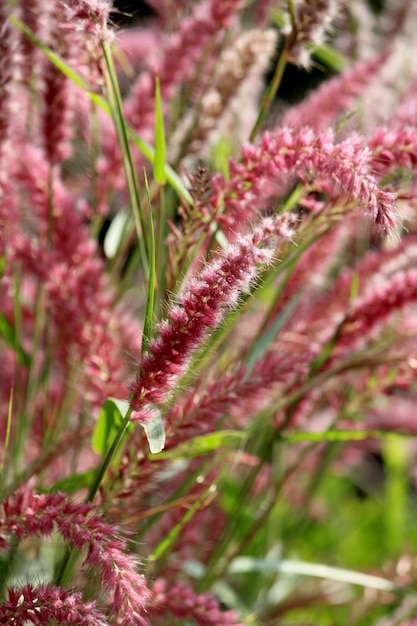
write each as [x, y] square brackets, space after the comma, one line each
[201, 308]
[28, 514]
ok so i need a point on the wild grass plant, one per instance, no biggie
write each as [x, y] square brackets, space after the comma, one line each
[208, 325]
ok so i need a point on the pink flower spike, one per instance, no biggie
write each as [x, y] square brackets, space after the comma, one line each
[179, 59]
[27, 514]
[393, 148]
[182, 601]
[40, 605]
[375, 307]
[201, 308]
[344, 169]
[334, 96]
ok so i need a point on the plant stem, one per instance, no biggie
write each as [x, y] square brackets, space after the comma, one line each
[273, 86]
[109, 456]
[116, 107]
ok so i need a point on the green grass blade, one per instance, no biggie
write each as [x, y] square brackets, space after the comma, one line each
[343, 435]
[116, 107]
[167, 542]
[160, 151]
[58, 62]
[172, 177]
[73, 483]
[329, 56]
[204, 444]
[7, 435]
[148, 324]
[396, 456]
[109, 421]
[9, 335]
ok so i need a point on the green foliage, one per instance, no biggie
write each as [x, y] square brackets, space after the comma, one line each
[160, 149]
[263, 472]
[8, 333]
[109, 422]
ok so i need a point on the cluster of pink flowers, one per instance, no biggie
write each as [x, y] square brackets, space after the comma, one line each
[27, 514]
[39, 605]
[182, 602]
[285, 290]
[182, 52]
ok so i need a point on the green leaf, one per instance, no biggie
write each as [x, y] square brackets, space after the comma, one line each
[329, 56]
[172, 177]
[57, 61]
[159, 162]
[109, 421]
[342, 435]
[154, 430]
[120, 124]
[248, 565]
[9, 335]
[205, 443]
[148, 324]
[74, 482]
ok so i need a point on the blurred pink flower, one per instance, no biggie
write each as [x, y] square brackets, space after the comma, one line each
[39, 605]
[344, 168]
[27, 513]
[182, 601]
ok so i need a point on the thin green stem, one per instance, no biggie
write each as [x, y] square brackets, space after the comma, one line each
[291, 11]
[273, 86]
[6, 443]
[161, 252]
[109, 456]
[116, 106]
[95, 147]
